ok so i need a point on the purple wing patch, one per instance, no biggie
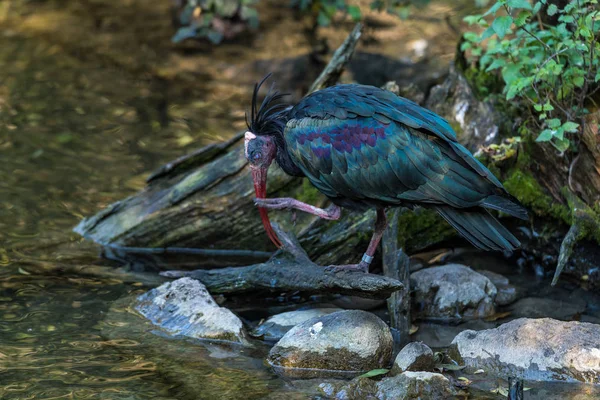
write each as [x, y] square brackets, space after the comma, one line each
[343, 138]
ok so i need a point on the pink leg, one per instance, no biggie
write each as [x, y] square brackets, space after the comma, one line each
[332, 212]
[363, 266]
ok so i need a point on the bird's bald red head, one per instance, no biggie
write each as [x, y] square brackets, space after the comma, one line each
[260, 152]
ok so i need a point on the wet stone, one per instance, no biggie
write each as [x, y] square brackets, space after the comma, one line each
[507, 293]
[415, 356]
[341, 344]
[534, 349]
[415, 385]
[185, 308]
[535, 307]
[278, 325]
[452, 292]
[408, 385]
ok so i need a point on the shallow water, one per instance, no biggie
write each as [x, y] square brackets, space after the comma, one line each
[92, 99]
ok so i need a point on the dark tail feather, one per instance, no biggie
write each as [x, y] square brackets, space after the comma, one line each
[507, 204]
[480, 228]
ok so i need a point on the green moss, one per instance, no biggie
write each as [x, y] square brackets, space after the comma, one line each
[309, 194]
[528, 191]
[483, 83]
[421, 228]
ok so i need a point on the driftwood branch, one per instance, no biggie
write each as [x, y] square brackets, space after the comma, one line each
[332, 72]
[291, 270]
[396, 265]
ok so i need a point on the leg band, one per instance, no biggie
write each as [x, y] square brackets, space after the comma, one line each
[367, 258]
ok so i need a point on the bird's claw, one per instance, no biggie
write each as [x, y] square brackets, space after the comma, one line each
[273, 204]
[349, 267]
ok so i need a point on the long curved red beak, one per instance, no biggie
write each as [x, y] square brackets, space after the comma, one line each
[259, 176]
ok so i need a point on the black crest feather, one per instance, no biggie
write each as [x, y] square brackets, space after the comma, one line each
[271, 117]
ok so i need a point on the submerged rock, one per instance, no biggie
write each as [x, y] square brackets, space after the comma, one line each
[452, 291]
[278, 325]
[408, 385]
[507, 293]
[534, 349]
[536, 307]
[415, 356]
[344, 343]
[184, 307]
[415, 385]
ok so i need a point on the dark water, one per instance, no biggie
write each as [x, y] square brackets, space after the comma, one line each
[92, 99]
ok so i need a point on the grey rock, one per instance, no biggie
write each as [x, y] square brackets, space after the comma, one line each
[535, 307]
[415, 385]
[507, 293]
[455, 100]
[408, 385]
[452, 291]
[534, 349]
[415, 356]
[184, 307]
[278, 325]
[344, 343]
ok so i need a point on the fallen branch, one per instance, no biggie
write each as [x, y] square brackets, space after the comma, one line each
[291, 270]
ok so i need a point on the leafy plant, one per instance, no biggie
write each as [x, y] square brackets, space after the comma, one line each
[552, 69]
[215, 19]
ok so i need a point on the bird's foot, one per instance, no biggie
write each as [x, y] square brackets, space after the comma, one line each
[360, 267]
[275, 203]
[332, 212]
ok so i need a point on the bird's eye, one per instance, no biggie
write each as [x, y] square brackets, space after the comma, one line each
[257, 155]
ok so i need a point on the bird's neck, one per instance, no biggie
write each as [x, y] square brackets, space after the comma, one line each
[286, 163]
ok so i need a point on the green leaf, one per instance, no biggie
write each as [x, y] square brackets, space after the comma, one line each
[323, 19]
[553, 123]
[522, 18]
[354, 12]
[486, 34]
[545, 136]
[561, 144]
[497, 63]
[451, 367]
[519, 4]
[493, 9]
[570, 126]
[501, 25]
[375, 372]
[511, 73]
[552, 9]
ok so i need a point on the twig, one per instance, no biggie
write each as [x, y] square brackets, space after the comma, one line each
[341, 57]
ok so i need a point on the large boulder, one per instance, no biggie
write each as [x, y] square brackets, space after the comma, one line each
[534, 349]
[344, 343]
[278, 325]
[452, 292]
[185, 308]
[415, 356]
